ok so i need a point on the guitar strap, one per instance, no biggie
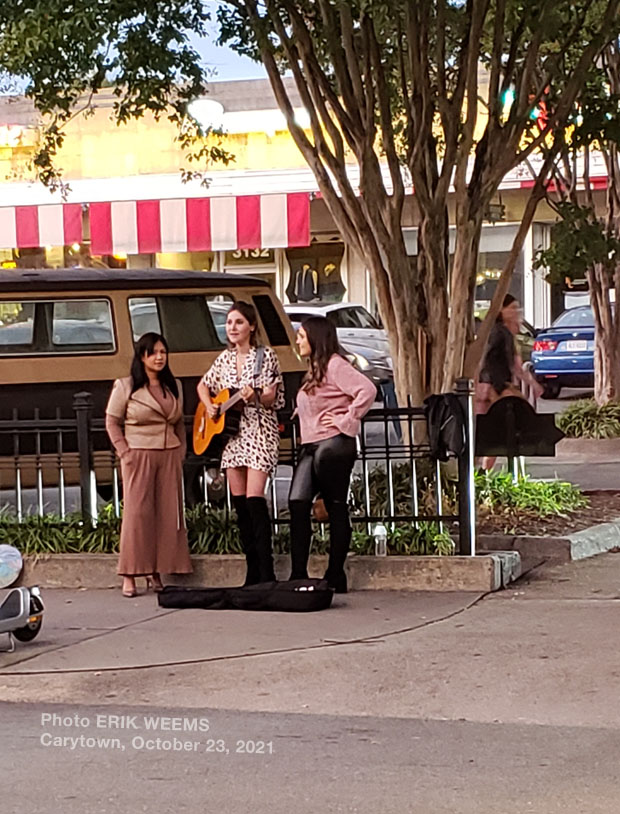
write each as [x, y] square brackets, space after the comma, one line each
[258, 363]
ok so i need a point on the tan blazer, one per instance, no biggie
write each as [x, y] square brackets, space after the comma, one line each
[146, 425]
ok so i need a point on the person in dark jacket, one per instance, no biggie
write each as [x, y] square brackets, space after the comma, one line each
[502, 366]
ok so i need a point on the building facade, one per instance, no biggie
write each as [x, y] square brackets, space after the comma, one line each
[127, 205]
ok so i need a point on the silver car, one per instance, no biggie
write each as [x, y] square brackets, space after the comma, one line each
[359, 333]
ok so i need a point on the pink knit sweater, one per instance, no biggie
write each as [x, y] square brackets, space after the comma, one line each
[345, 394]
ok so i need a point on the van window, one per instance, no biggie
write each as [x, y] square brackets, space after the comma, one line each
[16, 325]
[55, 327]
[144, 316]
[84, 324]
[219, 306]
[190, 322]
[276, 332]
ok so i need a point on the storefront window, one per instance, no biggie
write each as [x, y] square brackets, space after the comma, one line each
[316, 274]
[490, 265]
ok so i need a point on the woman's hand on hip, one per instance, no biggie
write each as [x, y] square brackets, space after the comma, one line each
[328, 420]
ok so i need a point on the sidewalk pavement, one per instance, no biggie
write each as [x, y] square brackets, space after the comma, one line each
[540, 652]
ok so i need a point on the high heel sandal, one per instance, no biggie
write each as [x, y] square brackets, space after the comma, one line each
[154, 584]
[130, 593]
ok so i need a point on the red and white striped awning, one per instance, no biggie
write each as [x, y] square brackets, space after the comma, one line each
[167, 225]
[28, 227]
[200, 224]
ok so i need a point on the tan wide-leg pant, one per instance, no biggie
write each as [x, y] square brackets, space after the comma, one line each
[153, 534]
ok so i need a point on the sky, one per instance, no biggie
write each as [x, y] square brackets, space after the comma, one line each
[225, 62]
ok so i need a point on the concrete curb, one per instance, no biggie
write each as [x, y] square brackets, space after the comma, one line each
[482, 574]
[582, 450]
[595, 540]
[536, 550]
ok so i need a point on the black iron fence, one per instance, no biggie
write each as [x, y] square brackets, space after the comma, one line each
[66, 464]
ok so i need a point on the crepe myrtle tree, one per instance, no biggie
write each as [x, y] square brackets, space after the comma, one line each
[585, 240]
[399, 93]
[62, 53]
[434, 94]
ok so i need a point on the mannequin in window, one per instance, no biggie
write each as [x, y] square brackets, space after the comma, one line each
[306, 284]
[331, 287]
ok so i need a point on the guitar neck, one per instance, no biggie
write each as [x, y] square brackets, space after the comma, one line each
[236, 398]
[230, 402]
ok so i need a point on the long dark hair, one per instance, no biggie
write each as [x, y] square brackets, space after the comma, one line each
[323, 340]
[248, 312]
[146, 344]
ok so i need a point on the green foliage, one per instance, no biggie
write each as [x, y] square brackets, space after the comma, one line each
[579, 241]
[212, 531]
[408, 539]
[585, 419]
[403, 499]
[496, 492]
[67, 53]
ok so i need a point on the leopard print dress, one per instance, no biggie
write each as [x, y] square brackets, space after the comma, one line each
[257, 443]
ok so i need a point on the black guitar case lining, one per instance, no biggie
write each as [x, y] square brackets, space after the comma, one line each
[294, 596]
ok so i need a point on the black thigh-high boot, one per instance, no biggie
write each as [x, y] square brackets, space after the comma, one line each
[301, 537]
[261, 521]
[246, 532]
[339, 542]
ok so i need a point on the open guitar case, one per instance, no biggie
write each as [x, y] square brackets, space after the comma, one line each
[293, 596]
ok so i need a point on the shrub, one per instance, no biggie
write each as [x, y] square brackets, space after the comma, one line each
[498, 494]
[585, 419]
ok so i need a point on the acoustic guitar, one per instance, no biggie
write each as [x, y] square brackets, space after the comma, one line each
[225, 422]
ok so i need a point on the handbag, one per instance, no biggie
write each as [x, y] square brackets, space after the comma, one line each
[319, 511]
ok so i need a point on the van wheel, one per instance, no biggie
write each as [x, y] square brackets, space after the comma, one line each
[551, 391]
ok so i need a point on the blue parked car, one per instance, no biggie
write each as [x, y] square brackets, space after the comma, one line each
[563, 355]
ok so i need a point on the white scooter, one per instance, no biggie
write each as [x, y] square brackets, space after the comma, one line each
[21, 611]
[21, 616]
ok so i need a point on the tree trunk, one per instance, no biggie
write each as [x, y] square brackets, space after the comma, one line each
[606, 350]
[462, 283]
[432, 263]
[401, 321]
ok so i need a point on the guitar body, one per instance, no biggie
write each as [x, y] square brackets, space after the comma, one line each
[225, 425]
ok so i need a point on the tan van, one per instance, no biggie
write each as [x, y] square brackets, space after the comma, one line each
[66, 331]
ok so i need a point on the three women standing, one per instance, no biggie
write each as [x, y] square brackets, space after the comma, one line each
[144, 419]
[251, 455]
[330, 405]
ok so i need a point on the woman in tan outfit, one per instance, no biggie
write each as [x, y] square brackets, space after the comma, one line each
[144, 419]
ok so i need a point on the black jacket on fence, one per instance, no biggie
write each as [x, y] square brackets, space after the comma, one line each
[445, 420]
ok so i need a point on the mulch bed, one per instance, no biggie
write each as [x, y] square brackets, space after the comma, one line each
[603, 507]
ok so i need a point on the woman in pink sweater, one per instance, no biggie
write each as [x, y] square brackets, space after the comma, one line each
[330, 405]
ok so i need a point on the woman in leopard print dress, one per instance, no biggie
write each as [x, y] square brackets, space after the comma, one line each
[250, 456]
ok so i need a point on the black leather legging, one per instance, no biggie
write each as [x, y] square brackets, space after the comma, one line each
[323, 467]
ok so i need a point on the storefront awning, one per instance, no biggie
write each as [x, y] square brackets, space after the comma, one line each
[200, 224]
[168, 225]
[28, 227]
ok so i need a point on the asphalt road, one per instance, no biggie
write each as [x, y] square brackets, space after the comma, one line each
[306, 764]
[508, 705]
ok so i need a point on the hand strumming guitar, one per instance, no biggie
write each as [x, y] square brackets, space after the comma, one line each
[248, 394]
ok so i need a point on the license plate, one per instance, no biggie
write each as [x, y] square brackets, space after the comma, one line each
[577, 344]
